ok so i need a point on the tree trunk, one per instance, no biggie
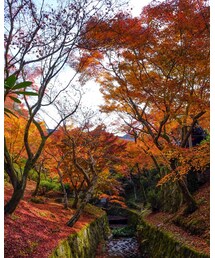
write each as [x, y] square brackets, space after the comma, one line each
[65, 199]
[190, 201]
[76, 192]
[18, 191]
[76, 216]
[75, 203]
[144, 198]
[134, 189]
[188, 198]
[37, 185]
[86, 199]
[79, 211]
[143, 194]
[15, 199]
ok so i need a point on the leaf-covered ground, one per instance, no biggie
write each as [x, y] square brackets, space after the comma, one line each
[193, 230]
[34, 230]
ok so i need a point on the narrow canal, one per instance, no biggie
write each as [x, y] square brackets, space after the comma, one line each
[122, 243]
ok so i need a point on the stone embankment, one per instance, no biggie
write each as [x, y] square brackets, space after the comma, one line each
[84, 243]
[153, 242]
[157, 243]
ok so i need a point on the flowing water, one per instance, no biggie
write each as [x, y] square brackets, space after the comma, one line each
[119, 247]
[126, 247]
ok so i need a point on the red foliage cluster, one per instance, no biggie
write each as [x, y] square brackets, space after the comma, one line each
[34, 230]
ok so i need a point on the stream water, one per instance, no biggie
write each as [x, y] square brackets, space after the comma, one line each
[119, 247]
[126, 247]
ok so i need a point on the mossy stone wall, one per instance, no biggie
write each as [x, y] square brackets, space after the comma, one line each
[154, 242]
[84, 243]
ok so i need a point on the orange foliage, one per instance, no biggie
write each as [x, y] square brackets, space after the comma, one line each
[96, 151]
[191, 159]
[155, 70]
[14, 134]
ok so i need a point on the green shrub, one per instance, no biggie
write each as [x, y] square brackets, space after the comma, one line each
[50, 185]
[33, 175]
[67, 187]
[127, 231]
[6, 177]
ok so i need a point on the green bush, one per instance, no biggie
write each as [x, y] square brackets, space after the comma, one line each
[50, 185]
[6, 177]
[127, 231]
[33, 175]
[67, 187]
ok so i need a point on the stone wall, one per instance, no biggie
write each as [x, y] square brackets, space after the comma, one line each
[83, 244]
[156, 243]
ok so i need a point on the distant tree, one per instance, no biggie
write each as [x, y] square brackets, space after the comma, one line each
[91, 153]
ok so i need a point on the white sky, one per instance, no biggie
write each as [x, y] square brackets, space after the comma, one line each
[92, 97]
[137, 6]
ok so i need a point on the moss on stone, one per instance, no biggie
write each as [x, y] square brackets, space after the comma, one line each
[195, 226]
[83, 244]
[158, 243]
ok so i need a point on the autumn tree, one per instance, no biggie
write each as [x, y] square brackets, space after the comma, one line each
[14, 131]
[56, 155]
[39, 41]
[156, 71]
[92, 153]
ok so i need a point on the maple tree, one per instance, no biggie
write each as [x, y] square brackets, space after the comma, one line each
[193, 159]
[14, 133]
[155, 71]
[56, 156]
[90, 154]
[15, 151]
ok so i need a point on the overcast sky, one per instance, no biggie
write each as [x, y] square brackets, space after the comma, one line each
[92, 90]
[137, 6]
[92, 97]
